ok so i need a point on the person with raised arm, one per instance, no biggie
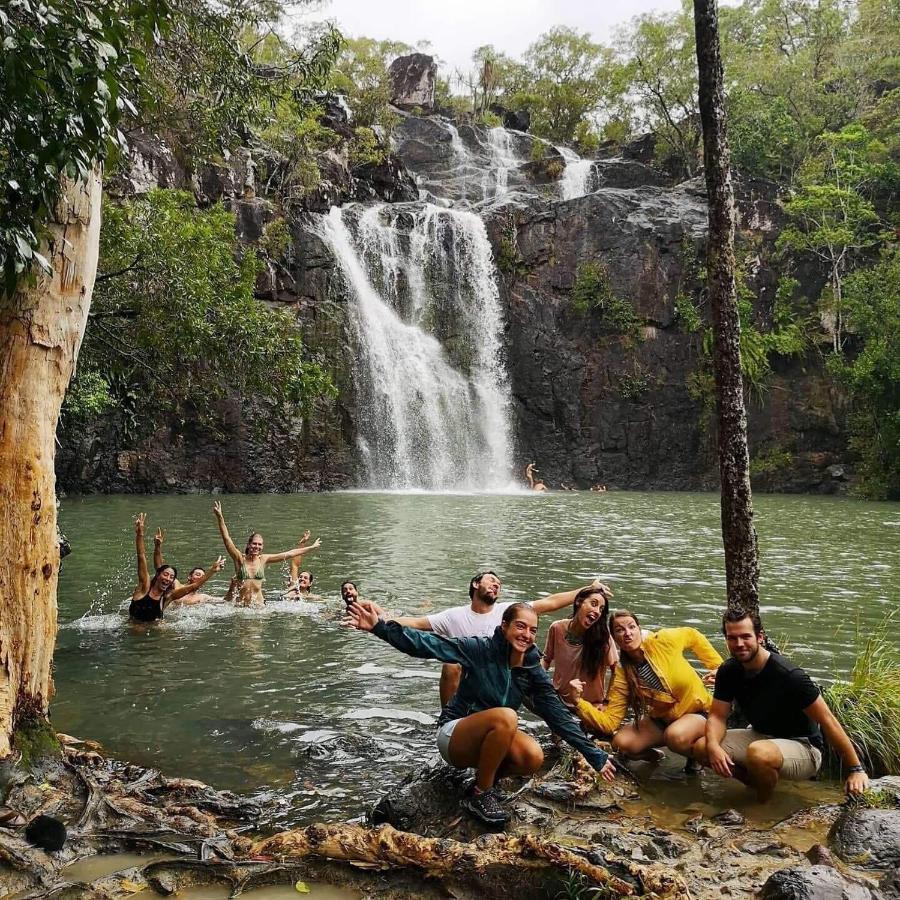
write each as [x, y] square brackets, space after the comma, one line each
[152, 595]
[668, 697]
[250, 566]
[194, 596]
[479, 728]
[481, 617]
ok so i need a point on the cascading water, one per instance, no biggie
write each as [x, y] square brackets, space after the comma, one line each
[502, 159]
[576, 178]
[433, 398]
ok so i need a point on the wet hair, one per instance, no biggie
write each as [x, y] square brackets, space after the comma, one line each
[477, 578]
[635, 697]
[199, 569]
[342, 585]
[595, 643]
[162, 569]
[509, 614]
[249, 539]
[738, 615]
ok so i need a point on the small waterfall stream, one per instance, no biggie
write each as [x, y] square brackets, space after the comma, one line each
[432, 393]
[576, 178]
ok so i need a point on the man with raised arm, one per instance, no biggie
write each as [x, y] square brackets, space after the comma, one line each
[480, 618]
[786, 712]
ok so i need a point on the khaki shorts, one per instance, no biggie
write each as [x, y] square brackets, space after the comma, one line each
[801, 759]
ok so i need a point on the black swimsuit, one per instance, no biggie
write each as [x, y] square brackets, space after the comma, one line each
[146, 609]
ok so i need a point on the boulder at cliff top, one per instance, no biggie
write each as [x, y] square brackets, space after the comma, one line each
[412, 81]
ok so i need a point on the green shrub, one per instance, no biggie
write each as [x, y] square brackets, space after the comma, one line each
[687, 314]
[633, 387]
[868, 704]
[593, 293]
[365, 148]
[770, 461]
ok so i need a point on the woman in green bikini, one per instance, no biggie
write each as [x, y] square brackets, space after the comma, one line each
[250, 566]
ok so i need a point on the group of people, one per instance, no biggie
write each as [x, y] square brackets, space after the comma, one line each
[153, 594]
[597, 666]
[603, 665]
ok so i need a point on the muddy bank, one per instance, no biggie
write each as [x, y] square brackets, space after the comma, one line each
[568, 834]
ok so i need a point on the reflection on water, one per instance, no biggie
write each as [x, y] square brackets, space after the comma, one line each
[319, 720]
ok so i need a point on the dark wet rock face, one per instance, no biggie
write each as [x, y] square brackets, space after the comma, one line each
[412, 82]
[814, 883]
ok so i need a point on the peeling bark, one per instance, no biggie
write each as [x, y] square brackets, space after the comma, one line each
[738, 533]
[41, 328]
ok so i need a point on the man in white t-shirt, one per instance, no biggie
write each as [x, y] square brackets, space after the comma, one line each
[480, 618]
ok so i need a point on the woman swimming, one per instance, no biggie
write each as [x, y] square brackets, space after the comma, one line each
[669, 700]
[581, 648]
[194, 596]
[250, 566]
[153, 595]
[479, 726]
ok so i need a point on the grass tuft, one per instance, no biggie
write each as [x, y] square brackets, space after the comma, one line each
[868, 705]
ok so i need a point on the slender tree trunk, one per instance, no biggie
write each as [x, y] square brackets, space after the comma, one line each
[41, 327]
[738, 534]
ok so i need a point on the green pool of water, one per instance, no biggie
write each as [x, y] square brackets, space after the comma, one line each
[318, 721]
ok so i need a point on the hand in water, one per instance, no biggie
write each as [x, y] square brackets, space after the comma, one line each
[160, 536]
[576, 689]
[359, 616]
[139, 523]
[608, 772]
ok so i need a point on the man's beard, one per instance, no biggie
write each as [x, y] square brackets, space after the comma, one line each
[489, 599]
[752, 656]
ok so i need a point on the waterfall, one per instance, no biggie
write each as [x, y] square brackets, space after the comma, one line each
[576, 178]
[502, 159]
[432, 394]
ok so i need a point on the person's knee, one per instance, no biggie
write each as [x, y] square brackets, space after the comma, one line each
[763, 755]
[621, 741]
[533, 758]
[698, 749]
[679, 743]
[505, 719]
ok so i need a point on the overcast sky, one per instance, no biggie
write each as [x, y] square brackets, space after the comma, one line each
[456, 27]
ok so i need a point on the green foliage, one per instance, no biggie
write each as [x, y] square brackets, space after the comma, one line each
[687, 313]
[633, 387]
[771, 461]
[872, 375]
[360, 74]
[489, 120]
[35, 739]
[570, 78]
[69, 71]
[171, 297]
[868, 704]
[365, 148]
[592, 292]
[88, 396]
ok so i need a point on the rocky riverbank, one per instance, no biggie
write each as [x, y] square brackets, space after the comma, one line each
[568, 836]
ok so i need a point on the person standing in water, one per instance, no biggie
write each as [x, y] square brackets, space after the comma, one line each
[480, 618]
[300, 582]
[581, 647]
[480, 727]
[250, 566]
[152, 595]
[534, 483]
[669, 700]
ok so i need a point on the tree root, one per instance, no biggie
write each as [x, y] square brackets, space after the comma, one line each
[513, 859]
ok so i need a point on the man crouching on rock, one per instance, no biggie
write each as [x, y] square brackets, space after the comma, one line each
[787, 716]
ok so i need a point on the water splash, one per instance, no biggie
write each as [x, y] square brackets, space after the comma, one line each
[433, 399]
[576, 179]
[502, 159]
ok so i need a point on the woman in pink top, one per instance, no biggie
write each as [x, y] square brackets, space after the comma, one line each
[581, 647]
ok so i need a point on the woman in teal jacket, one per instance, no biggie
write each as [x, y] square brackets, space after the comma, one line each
[478, 728]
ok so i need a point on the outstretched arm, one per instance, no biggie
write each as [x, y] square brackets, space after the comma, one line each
[158, 539]
[295, 561]
[143, 584]
[421, 644]
[564, 598]
[232, 551]
[186, 589]
[296, 553]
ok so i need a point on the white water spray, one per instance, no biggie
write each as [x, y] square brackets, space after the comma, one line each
[432, 394]
[576, 178]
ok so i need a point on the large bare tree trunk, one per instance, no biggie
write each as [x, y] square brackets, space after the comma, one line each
[738, 534]
[41, 327]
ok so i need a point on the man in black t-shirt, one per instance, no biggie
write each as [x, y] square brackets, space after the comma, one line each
[786, 712]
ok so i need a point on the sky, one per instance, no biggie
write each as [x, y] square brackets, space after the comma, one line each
[456, 27]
